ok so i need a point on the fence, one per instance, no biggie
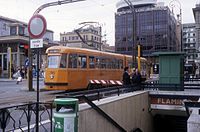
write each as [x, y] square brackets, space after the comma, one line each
[21, 118]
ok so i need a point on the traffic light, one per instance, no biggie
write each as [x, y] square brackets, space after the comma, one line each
[24, 48]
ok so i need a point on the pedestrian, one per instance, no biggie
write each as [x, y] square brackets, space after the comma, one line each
[12, 71]
[126, 77]
[138, 79]
[18, 75]
[133, 76]
[23, 72]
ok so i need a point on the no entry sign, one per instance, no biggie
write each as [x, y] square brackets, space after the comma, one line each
[37, 26]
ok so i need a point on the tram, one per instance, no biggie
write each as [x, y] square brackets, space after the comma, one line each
[72, 68]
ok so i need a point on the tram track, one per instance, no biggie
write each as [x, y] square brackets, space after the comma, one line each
[19, 97]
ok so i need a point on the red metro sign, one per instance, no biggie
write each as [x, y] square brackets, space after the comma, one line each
[37, 26]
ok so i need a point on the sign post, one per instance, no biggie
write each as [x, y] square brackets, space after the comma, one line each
[37, 28]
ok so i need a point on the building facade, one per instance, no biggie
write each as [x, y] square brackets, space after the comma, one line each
[14, 35]
[155, 28]
[196, 12]
[87, 37]
[189, 42]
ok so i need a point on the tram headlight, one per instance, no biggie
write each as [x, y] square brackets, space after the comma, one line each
[51, 76]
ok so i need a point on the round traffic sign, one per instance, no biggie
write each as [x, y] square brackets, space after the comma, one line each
[37, 26]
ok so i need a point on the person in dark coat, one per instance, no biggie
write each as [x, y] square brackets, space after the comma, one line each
[126, 77]
[138, 79]
[133, 76]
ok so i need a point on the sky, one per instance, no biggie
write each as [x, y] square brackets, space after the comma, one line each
[65, 18]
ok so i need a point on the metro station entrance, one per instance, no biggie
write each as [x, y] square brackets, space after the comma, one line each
[170, 123]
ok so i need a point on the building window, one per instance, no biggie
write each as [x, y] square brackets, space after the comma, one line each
[13, 30]
[21, 30]
[4, 26]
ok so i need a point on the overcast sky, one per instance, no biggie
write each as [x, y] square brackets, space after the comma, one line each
[65, 18]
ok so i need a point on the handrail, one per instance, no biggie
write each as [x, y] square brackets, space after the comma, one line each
[101, 112]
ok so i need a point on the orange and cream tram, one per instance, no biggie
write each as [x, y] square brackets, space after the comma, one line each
[73, 68]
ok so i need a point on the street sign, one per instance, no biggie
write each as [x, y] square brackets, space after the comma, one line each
[37, 26]
[36, 43]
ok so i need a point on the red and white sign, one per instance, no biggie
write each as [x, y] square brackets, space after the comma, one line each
[37, 26]
[106, 82]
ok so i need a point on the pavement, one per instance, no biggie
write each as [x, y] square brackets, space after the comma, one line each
[14, 80]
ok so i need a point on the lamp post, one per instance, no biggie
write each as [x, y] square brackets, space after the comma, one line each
[173, 4]
[39, 34]
[134, 31]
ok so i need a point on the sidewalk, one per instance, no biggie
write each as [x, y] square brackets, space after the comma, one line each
[14, 80]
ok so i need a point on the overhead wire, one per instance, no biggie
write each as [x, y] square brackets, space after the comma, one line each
[103, 5]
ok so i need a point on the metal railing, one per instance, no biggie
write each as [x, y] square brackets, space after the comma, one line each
[22, 117]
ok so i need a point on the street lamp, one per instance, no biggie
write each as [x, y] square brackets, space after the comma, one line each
[30, 67]
[173, 4]
[134, 31]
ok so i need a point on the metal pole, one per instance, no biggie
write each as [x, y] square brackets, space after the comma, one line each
[30, 75]
[36, 12]
[180, 9]
[134, 32]
[10, 65]
[37, 104]
[54, 4]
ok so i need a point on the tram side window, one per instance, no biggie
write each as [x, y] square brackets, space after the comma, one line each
[63, 61]
[103, 63]
[108, 63]
[98, 64]
[91, 62]
[82, 60]
[72, 61]
[129, 64]
[121, 64]
[114, 64]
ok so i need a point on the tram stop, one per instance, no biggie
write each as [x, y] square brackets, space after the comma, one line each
[66, 115]
[171, 69]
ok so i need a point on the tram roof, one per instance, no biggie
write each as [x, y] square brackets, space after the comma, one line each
[64, 49]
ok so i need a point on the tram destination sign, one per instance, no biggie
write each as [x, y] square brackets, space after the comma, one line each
[36, 43]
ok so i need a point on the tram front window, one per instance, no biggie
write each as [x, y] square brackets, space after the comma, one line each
[53, 61]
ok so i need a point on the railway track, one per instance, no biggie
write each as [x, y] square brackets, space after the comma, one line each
[19, 97]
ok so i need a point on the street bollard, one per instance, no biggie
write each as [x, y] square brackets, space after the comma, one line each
[66, 115]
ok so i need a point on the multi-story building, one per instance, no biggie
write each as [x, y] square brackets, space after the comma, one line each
[155, 27]
[196, 12]
[14, 34]
[189, 42]
[87, 37]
